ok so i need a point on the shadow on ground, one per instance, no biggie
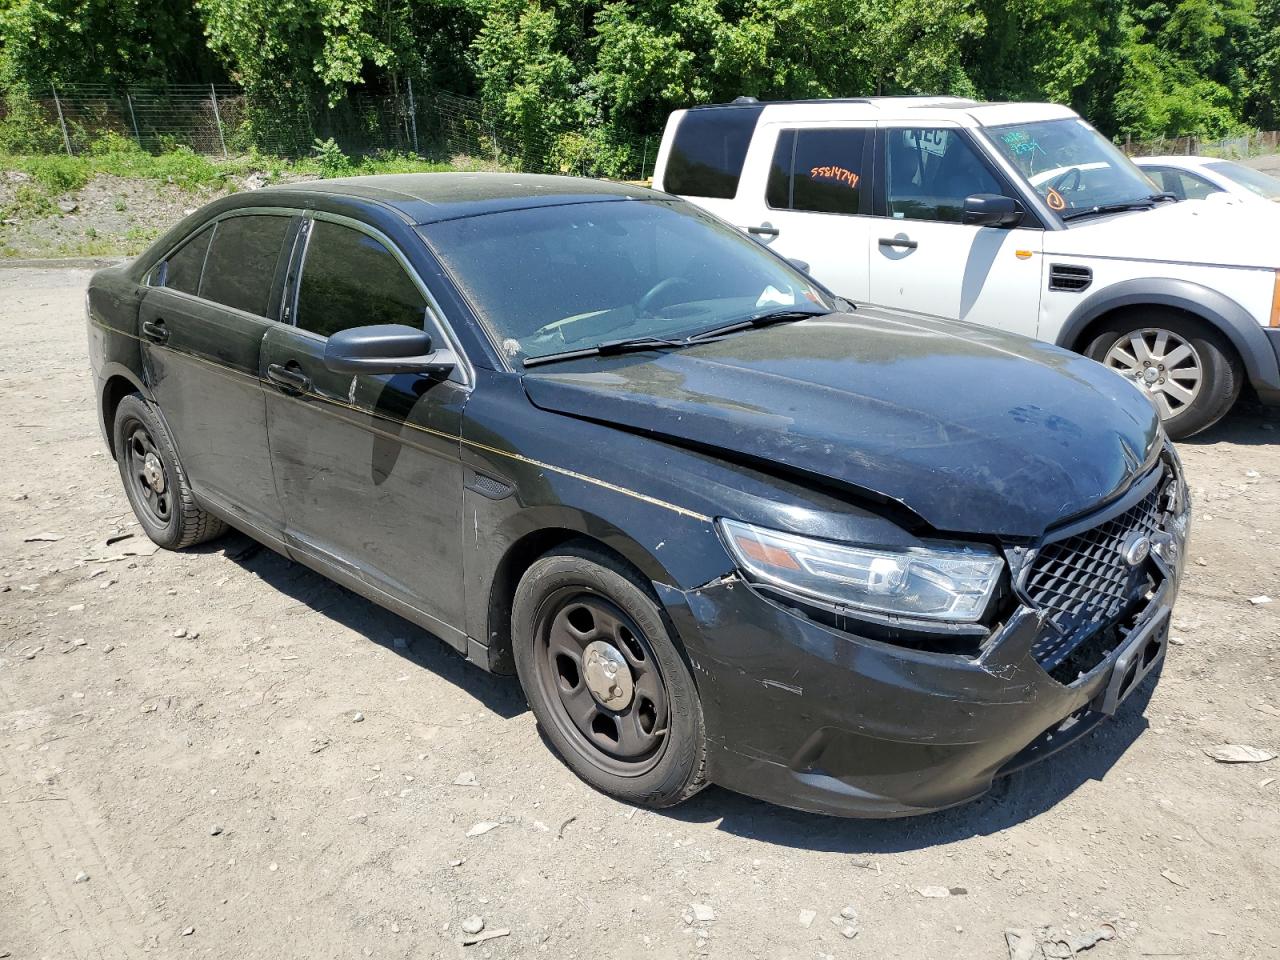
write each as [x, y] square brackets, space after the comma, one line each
[502, 695]
[1248, 424]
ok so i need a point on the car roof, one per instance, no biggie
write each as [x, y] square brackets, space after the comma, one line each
[431, 197]
[918, 108]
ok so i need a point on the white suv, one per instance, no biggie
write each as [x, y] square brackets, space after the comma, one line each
[1018, 216]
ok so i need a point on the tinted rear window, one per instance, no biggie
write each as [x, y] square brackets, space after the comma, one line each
[241, 264]
[818, 170]
[708, 151]
[184, 266]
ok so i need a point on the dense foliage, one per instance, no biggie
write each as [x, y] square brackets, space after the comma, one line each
[578, 77]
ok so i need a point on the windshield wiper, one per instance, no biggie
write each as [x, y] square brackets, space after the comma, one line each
[1144, 203]
[785, 315]
[607, 348]
[636, 344]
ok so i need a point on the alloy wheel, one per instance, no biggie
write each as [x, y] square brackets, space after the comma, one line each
[147, 474]
[1161, 362]
[602, 680]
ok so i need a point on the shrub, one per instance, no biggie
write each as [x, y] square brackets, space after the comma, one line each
[333, 162]
[25, 129]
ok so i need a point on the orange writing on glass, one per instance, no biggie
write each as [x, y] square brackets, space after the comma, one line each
[839, 174]
[1055, 199]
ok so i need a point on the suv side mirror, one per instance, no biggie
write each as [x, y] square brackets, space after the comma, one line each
[385, 348]
[991, 210]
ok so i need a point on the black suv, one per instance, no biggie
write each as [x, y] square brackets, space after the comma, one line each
[722, 526]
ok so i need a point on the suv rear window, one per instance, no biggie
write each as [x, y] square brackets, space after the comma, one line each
[241, 264]
[709, 149]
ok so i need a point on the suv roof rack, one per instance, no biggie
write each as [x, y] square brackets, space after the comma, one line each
[920, 100]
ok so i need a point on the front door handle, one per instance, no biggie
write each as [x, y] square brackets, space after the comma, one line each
[155, 330]
[764, 230]
[902, 242]
[288, 378]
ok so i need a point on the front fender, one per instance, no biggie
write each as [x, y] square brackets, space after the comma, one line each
[1226, 315]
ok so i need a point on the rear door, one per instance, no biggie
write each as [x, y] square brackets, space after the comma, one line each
[368, 466]
[202, 323]
[924, 258]
[806, 195]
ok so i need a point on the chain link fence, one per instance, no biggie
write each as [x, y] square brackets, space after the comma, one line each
[222, 119]
[1246, 145]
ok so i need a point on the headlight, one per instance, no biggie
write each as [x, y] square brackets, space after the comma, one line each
[944, 583]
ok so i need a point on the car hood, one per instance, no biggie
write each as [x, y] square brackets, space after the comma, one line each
[1189, 232]
[973, 430]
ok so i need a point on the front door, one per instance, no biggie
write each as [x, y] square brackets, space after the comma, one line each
[368, 467]
[924, 259]
[809, 194]
[202, 323]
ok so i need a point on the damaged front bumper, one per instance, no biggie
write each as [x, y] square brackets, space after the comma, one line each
[815, 718]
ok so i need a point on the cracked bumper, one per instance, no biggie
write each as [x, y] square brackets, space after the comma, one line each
[812, 718]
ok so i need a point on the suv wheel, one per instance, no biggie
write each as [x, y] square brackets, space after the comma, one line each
[1189, 369]
[154, 480]
[605, 680]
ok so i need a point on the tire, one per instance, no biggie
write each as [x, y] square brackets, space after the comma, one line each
[611, 751]
[1165, 334]
[162, 501]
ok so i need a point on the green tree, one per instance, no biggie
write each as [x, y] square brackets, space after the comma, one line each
[45, 42]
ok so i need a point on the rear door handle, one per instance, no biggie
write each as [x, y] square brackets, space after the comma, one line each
[155, 330]
[288, 378]
[764, 230]
[898, 242]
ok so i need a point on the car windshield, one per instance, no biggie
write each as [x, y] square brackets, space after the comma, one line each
[552, 279]
[1252, 180]
[1071, 165]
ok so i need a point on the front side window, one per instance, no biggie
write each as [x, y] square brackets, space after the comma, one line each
[183, 268]
[1072, 166]
[349, 279]
[818, 170]
[1191, 187]
[570, 277]
[929, 171]
[241, 265]
[708, 151]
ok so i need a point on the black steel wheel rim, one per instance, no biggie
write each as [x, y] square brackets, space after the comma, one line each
[145, 470]
[625, 738]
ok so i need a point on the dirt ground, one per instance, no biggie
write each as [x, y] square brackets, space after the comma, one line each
[181, 772]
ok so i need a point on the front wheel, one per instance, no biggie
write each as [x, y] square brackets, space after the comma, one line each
[605, 680]
[1190, 371]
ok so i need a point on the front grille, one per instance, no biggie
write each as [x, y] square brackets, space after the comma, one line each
[1084, 583]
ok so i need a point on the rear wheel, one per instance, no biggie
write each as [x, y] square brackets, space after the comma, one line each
[154, 480]
[1190, 370]
[605, 680]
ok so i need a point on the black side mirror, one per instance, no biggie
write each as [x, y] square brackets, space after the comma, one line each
[801, 265]
[991, 210]
[386, 348]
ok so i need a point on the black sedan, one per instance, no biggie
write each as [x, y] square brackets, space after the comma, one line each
[725, 527]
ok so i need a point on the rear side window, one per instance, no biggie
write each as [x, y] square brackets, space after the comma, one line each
[709, 149]
[241, 265]
[349, 279]
[818, 170]
[183, 267]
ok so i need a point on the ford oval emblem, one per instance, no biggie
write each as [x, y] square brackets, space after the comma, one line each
[1135, 548]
